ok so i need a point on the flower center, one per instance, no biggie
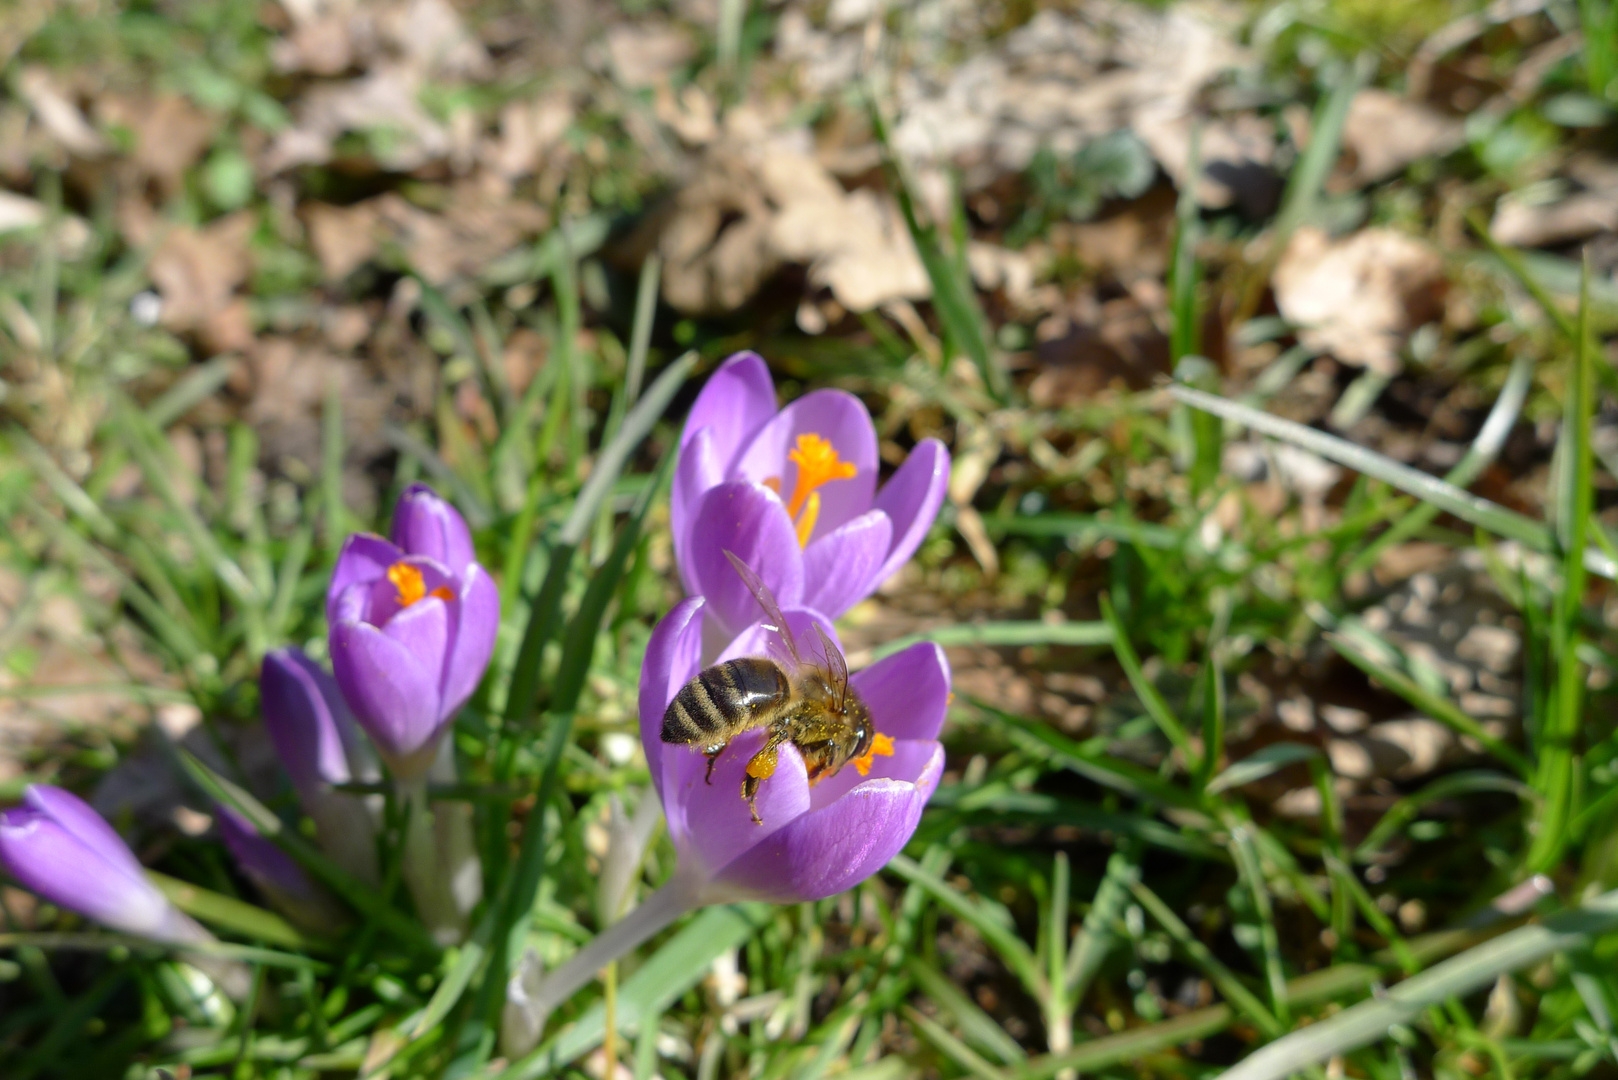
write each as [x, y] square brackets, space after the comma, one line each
[818, 464]
[880, 744]
[408, 581]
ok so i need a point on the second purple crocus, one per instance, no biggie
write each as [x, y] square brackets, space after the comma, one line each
[410, 634]
[67, 853]
[792, 491]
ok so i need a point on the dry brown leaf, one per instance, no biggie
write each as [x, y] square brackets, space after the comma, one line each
[58, 115]
[1060, 81]
[344, 237]
[1359, 298]
[646, 53]
[20, 212]
[289, 386]
[1385, 132]
[530, 131]
[1590, 209]
[170, 135]
[197, 271]
[385, 102]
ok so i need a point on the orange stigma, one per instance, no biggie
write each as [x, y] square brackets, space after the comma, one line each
[818, 465]
[880, 744]
[411, 587]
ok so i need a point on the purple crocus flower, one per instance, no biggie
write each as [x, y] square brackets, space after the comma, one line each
[282, 881]
[815, 841]
[61, 849]
[316, 738]
[424, 524]
[410, 635]
[793, 493]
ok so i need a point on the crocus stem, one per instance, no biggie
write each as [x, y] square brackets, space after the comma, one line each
[656, 912]
[430, 887]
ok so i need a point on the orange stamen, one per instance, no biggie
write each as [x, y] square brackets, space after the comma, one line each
[408, 581]
[818, 465]
[880, 744]
[807, 519]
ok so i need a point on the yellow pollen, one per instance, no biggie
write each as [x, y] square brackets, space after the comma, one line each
[880, 744]
[408, 581]
[818, 465]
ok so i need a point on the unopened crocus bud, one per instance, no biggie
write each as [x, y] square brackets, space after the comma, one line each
[410, 639]
[424, 524]
[55, 845]
[315, 736]
[282, 881]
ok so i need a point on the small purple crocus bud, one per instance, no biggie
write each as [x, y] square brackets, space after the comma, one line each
[424, 524]
[817, 840]
[410, 639]
[793, 493]
[282, 881]
[57, 846]
[306, 717]
[316, 738]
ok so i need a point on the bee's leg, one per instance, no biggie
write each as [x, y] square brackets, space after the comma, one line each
[712, 754]
[759, 769]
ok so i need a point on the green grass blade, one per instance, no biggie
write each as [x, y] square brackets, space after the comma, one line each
[1150, 698]
[1474, 969]
[1479, 456]
[988, 918]
[1464, 505]
[228, 913]
[640, 333]
[1555, 779]
[1202, 958]
[976, 1026]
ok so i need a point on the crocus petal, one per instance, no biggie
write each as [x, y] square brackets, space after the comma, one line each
[836, 847]
[393, 695]
[908, 762]
[720, 824]
[477, 622]
[738, 399]
[77, 817]
[697, 472]
[836, 416]
[296, 698]
[748, 520]
[908, 692]
[839, 569]
[672, 655]
[55, 845]
[424, 524]
[911, 499]
[364, 558]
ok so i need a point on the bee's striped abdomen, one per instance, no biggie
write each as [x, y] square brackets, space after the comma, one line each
[723, 700]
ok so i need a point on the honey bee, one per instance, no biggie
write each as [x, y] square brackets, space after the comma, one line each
[805, 703]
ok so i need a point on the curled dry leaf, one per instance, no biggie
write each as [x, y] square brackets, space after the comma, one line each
[1384, 133]
[197, 272]
[1359, 298]
[20, 212]
[1576, 212]
[1059, 82]
[58, 115]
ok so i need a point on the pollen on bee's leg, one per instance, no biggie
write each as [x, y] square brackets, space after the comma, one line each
[762, 767]
[881, 745]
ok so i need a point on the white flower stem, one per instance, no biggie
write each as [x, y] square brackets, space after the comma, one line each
[654, 913]
[431, 887]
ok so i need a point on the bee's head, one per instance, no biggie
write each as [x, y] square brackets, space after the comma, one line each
[859, 718]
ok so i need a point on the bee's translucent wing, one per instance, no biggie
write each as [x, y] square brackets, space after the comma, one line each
[836, 664]
[772, 611]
